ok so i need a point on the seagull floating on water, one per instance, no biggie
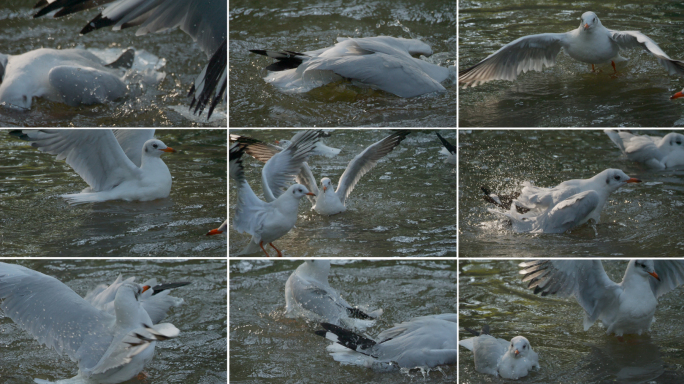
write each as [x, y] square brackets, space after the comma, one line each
[381, 62]
[591, 43]
[565, 206]
[654, 151]
[203, 20]
[624, 308]
[512, 360]
[109, 345]
[308, 294]
[422, 342]
[120, 164]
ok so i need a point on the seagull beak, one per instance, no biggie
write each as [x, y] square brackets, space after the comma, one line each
[586, 26]
[677, 95]
[633, 180]
[517, 352]
[325, 189]
[168, 149]
[145, 288]
[311, 194]
[654, 275]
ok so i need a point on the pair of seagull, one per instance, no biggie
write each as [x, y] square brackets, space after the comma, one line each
[111, 333]
[422, 342]
[268, 221]
[590, 43]
[623, 308]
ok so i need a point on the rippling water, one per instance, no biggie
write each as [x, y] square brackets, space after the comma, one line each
[267, 347]
[639, 220]
[405, 206]
[21, 33]
[197, 356]
[312, 24]
[491, 292]
[35, 221]
[569, 94]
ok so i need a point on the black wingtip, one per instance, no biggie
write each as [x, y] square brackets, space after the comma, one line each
[162, 287]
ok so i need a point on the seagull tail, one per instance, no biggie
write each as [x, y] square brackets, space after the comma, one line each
[346, 338]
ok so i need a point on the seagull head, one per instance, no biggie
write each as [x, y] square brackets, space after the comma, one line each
[298, 191]
[645, 267]
[520, 347]
[673, 140]
[156, 148]
[326, 184]
[318, 269]
[589, 21]
[614, 179]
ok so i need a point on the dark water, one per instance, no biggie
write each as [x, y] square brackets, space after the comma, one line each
[569, 94]
[314, 24]
[266, 347]
[639, 220]
[198, 355]
[35, 221]
[490, 291]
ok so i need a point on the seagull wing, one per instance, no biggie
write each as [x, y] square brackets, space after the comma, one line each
[365, 161]
[586, 280]
[54, 314]
[671, 274]
[524, 54]
[636, 39]
[570, 212]
[132, 141]
[92, 153]
[279, 172]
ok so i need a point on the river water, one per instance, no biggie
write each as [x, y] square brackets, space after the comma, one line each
[267, 347]
[313, 24]
[569, 94]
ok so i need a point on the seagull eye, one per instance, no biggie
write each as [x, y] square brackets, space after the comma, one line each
[617, 177]
[154, 145]
[679, 142]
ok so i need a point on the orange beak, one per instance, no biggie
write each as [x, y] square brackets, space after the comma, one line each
[633, 180]
[586, 26]
[677, 95]
[168, 149]
[517, 352]
[325, 189]
[311, 194]
[654, 275]
[213, 232]
[145, 288]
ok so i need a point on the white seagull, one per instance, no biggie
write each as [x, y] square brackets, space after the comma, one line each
[381, 62]
[422, 342]
[654, 151]
[120, 164]
[308, 295]
[591, 43]
[69, 76]
[108, 347]
[269, 221]
[203, 20]
[512, 360]
[624, 308]
[565, 206]
[449, 150]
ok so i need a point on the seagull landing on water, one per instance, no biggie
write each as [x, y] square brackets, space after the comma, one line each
[624, 308]
[565, 206]
[512, 360]
[655, 151]
[591, 43]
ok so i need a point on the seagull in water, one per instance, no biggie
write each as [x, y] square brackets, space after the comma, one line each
[624, 308]
[591, 43]
[422, 342]
[654, 151]
[69, 76]
[381, 62]
[565, 206]
[120, 164]
[273, 219]
[203, 20]
[110, 346]
[308, 295]
[512, 360]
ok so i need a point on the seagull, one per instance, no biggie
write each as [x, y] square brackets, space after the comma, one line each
[308, 294]
[203, 20]
[422, 342]
[591, 43]
[219, 230]
[320, 150]
[624, 308]
[381, 62]
[565, 206]
[271, 220]
[449, 150]
[120, 164]
[512, 360]
[108, 347]
[654, 151]
[69, 76]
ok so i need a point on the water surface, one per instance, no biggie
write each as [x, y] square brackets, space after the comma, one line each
[569, 94]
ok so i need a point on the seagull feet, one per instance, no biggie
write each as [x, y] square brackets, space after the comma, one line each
[261, 244]
[277, 250]
[142, 376]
